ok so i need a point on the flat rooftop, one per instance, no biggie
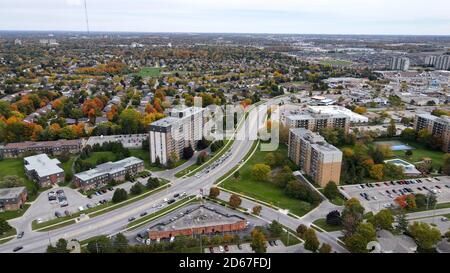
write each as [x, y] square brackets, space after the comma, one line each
[11, 193]
[200, 216]
[43, 165]
[109, 167]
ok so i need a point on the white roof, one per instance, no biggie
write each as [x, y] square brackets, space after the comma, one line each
[108, 168]
[42, 165]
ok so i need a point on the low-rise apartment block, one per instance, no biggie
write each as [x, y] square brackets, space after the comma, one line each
[107, 172]
[21, 149]
[43, 170]
[170, 135]
[12, 198]
[437, 126]
[315, 157]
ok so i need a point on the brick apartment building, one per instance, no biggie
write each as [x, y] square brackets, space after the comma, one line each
[12, 198]
[315, 157]
[22, 149]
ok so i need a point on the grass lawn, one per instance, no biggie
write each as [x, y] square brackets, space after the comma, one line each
[14, 166]
[420, 152]
[97, 155]
[322, 223]
[265, 191]
[338, 201]
[335, 62]
[67, 167]
[7, 215]
[12, 232]
[144, 155]
[149, 72]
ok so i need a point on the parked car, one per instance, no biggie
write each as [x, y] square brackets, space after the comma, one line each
[221, 249]
[226, 248]
[211, 249]
[171, 201]
[67, 213]
[18, 248]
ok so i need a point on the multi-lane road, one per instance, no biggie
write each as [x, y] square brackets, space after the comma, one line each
[116, 220]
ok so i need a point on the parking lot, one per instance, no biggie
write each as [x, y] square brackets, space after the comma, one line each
[380, 195]
[272, 247]
[133, 141]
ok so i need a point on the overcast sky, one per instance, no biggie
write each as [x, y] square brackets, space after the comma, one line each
[425, 17]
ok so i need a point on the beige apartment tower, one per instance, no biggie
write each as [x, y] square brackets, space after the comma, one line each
[315, 157]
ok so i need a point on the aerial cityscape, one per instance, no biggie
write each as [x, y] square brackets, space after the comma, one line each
[123, 140]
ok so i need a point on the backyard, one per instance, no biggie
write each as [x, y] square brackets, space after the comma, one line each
[265, 191]
[419, 152]
[14, 166]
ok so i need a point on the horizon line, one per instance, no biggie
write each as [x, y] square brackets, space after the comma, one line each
[241, 33]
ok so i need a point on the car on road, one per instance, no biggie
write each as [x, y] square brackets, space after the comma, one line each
[143, 214]
[176, 195]
[131, 219]
[20, 235]
[171, 201]
[17, 248]
[444, 219]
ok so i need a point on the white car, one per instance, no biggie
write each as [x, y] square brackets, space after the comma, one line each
[444, 219]
[221, 249]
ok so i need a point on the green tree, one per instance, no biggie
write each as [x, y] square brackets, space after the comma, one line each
[100, 244]
[392, 129]
[152, 183]
[60, 247]
[331, 190]
[301, 230]
[425, 235]
[357, 242]
[325, 248]
[275, 229]
[382, 220]
[119, 195]
[311, 241]
[130, 121]
[137, 189]
[261, 172]
[120, 243]
[402, 222]
[4, 226]
[258, 242]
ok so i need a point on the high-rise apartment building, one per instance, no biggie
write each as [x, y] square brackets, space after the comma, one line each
[316, 121]
[315, 157]
[437, 126]
[169, 136]
[397, 63]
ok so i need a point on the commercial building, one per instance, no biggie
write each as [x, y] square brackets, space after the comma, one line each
[437, 126]
[21, 149]
[200, 220]
[12, 198]
[43, 170]
[108, 171]
[169, 136]
[396, 63]
[315, 157]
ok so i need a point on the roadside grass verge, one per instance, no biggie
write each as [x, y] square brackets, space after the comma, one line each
[7, 236]
[8, 215]
[322, 223]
